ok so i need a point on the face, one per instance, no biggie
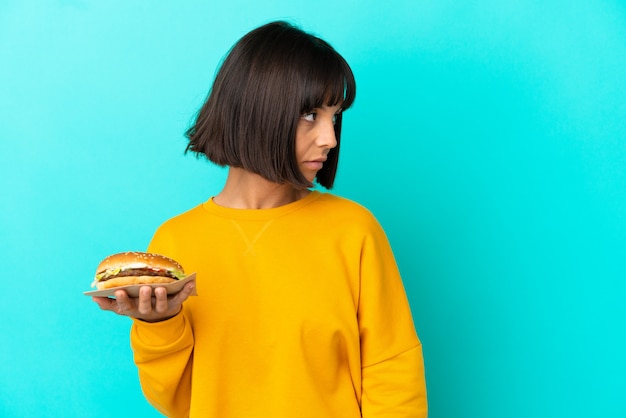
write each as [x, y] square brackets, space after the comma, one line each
[315, 137]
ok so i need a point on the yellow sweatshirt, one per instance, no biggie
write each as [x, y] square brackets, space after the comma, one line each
[300, 312]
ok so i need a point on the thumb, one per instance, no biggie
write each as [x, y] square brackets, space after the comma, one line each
[103, 302]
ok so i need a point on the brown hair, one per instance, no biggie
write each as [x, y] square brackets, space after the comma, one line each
[271, 77]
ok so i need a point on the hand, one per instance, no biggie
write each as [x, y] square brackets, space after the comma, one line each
[149, 306]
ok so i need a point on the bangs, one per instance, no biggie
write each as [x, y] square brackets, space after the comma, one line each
[330, 81]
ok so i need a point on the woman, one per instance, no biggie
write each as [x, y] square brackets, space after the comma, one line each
[301, 310]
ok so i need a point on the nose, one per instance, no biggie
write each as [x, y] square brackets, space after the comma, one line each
[326, 137]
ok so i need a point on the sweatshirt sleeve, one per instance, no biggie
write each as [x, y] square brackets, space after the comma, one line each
[393, 381]
[163, 354]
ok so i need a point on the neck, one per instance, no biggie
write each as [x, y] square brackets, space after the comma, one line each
[245, 190]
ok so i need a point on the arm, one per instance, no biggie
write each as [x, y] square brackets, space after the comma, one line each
[395, 387]
[393, 381]
[162, 343]
[161, 338]
[163, 355]
[163, 351]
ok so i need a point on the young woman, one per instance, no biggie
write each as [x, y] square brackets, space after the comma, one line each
[301, 311]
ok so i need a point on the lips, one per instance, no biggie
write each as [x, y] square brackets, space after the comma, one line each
[315, 164]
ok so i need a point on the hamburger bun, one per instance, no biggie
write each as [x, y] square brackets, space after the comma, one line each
[136, 268]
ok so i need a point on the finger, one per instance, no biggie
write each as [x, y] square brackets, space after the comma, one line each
[106, 304]
[186, 291]
[160, 304]
[145, 300]
[122, 304]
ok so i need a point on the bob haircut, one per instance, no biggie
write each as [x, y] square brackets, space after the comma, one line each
[269, 79]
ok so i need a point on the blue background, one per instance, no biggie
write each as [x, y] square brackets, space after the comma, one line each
[487, 137]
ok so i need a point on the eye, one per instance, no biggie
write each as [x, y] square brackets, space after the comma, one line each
[311, 116]
[336, 116]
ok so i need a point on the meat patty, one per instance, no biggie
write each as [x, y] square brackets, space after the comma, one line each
[142, 272]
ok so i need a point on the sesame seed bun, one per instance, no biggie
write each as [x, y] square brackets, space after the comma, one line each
[133, 267]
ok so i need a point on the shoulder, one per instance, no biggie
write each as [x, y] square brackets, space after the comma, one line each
[182, 220]
[340, 203]
[346, 211]
[174, 232]
[351, 222]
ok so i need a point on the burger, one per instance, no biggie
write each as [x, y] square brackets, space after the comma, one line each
[133, 267]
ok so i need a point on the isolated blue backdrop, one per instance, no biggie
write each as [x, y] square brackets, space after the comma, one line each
[487, 137]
